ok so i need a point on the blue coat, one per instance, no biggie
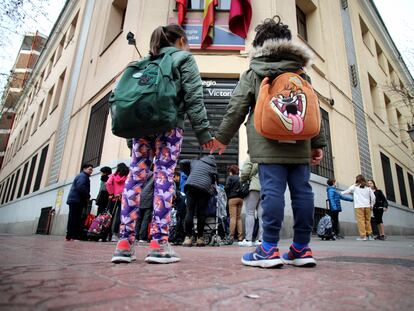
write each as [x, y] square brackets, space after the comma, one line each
[334, 199]
[79, 192]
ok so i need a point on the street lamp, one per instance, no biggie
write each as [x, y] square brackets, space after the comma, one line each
[131, 41]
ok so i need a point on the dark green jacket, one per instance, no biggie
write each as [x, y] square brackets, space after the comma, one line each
[269, 60]
[190, 89]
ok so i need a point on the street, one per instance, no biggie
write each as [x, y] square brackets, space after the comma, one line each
[48, 273]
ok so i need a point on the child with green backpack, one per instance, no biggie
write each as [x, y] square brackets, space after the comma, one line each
[149, 105]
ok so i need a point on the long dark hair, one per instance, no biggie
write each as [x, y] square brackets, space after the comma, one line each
[271, 28]
[373, 182]
[361, 181]
[122, 170]
[164, 36]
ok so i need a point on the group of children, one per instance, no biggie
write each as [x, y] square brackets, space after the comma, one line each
[279, 163]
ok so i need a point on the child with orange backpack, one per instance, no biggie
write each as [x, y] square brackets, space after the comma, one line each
[284, 138]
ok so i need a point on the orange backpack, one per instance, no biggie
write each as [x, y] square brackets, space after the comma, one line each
[287, 109]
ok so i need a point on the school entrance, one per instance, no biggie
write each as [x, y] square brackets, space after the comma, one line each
[217, 93]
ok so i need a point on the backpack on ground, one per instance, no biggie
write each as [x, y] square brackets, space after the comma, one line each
[324, 229]
[287, 109]
[145, 99]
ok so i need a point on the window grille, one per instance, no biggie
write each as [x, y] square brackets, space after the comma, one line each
[96, 132]
[386, 170]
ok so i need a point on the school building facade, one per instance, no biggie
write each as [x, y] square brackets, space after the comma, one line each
[357, 73]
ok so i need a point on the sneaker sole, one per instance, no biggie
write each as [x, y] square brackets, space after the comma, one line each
[162, 260]
[120, 259]
[272, 263]
[304, 262]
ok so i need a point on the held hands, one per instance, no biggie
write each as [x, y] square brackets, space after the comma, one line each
[317, 155]
[208, 145]
[214, 145]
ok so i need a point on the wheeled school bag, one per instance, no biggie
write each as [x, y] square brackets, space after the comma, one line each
[145, 99]
[324, 229]
[287, 109]
[100, 226]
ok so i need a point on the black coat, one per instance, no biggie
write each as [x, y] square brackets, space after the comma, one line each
[79, 192]
[380, 199]
[232, 186]
[203, 174]
[147, 193]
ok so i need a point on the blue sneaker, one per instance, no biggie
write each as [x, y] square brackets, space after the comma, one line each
[263, 259]
[299, 258]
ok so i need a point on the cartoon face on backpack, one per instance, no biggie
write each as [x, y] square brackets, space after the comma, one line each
[287, 109]
[290, 104]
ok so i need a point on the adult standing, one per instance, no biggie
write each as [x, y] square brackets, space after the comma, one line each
[250, 173]
[235, 202]
[198, 189]
[334, 200]
[380, 206]
[364, 200]
[78, 200]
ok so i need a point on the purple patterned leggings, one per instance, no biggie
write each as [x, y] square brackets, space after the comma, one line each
[163, 150]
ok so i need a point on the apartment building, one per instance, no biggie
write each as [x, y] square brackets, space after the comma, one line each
[356, 71]
[32, 46]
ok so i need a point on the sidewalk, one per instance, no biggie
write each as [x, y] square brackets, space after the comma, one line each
[48, 273]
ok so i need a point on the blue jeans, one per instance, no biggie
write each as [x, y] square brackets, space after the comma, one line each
[273, 179]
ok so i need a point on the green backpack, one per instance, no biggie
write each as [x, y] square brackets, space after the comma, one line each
[145, 100]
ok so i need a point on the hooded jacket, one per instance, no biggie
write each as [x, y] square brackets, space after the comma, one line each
[203, 174]
[115, 184]
[270, 60]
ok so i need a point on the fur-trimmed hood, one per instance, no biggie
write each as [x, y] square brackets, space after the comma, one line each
[276, 56]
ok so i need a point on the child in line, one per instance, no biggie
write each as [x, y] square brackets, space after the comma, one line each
[280, 163]
[364, 200]
[334, 200]
[380, 206]
[115, 185]
[163, 150]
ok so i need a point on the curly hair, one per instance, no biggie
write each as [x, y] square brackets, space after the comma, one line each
[271, 28]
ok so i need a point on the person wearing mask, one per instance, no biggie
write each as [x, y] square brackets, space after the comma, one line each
[102, 199]
[235, 202]
[163, 150]
[334, 202]
[78, 199]
[198, 189]
[380, 206]
[115, 186]
[364, 200]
